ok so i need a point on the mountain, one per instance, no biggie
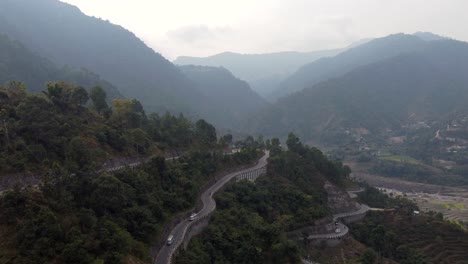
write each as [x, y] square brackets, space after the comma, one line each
[63, 34]
[428, 36]
[233, 98]
[17, 63]
[262, 71]
[370, 52]
[427, 83]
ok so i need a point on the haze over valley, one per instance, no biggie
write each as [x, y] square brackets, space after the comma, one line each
[233, 132]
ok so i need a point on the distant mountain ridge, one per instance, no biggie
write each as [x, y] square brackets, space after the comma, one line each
[428, 36]
[262, 71]
[369, 52]
[427, 83]
[232, 97]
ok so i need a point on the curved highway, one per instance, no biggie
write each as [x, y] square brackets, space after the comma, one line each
[343, 228]
[35, 179]
[353, 194]
[209, 205]
[362, 209]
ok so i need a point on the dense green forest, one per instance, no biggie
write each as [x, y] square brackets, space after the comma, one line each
[80, 214]
[57, 126]
[406, 237]
[411, 239]
[251, 220]
[377, 199]
[91, 217]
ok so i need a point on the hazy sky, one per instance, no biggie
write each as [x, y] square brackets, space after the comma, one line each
[206, 27]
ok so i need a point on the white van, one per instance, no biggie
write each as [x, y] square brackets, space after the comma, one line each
[170, 239]
[193, 216]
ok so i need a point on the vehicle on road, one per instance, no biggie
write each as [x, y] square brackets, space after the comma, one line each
[170, 239]
[193, 216]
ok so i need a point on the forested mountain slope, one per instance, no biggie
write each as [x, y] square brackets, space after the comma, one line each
[426, 84]
[258, 215]
[17, 63]
[234, 99]
[62, 33]
[367, 53]
[79, 212]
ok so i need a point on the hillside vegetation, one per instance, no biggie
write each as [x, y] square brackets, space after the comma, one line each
[424, 85]
[348, 60]
[56, 126]
[407, 237]
[251, 220]
[63, 34]
[17, 63]
[79, 213]
[96, 217]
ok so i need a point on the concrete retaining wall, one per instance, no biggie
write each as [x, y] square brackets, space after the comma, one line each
[330, 238]
[196, 229]
[353, 218]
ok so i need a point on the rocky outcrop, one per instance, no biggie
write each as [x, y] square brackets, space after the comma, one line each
[338, 200]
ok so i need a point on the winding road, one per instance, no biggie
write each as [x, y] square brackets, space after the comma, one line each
[209, 205]
[35, 179]
[343, 228]
[362, 209]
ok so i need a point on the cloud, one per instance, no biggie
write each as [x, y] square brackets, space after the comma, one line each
[198, 33]
[198, 28]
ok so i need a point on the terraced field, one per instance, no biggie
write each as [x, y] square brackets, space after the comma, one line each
[452, 207]
[402, 159]
[450, 201]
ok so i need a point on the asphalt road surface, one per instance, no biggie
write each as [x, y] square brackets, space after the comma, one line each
[209, 205]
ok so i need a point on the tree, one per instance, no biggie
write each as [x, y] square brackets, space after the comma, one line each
[140, 139]
[3, 120]
[128, 112]
[16, 91]
[79, 96]
[98, 97]
[294, 144]
[226, 139]
[79, 154]
[369, 256]
[205, 132]
[275, 147]
[66, 96]
[248, 142]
